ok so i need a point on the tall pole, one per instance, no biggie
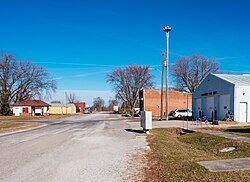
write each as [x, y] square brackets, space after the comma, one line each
[167, 29]
[187, 82]
[162, 85]
[66, 97]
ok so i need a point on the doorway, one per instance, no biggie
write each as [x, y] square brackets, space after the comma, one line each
[243, 112]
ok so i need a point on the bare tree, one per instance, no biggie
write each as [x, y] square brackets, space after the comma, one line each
[128, 81]
[112, 103]
[72, 98]
[98, 103]
[21, 80]
[190, 71]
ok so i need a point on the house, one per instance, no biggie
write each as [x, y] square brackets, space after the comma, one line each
[150, 100]
[59, 108]
[30, 107]
[81, 106]
[219, 94]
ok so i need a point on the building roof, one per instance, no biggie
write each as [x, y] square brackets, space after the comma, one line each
[79, 103]
[62, 105]
[239, 80]
[35, 103]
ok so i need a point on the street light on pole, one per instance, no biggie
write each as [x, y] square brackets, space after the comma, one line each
[166, 29]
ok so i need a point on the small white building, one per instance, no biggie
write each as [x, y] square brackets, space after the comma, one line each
[219, 93]
[30, 107]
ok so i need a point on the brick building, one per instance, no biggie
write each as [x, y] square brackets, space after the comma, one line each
[150, 100]
[81, 106]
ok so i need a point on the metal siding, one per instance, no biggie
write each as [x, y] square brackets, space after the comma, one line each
[242, 95]
[224, 105]
[213, 83]
[197, 107]
[209, 107]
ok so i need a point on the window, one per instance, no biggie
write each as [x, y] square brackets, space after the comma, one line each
[25, 110]
[182, 110]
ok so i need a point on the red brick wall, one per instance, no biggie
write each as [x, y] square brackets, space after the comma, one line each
[176, 100]
[81, 105]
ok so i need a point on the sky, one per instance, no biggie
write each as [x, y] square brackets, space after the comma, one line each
[79, 42]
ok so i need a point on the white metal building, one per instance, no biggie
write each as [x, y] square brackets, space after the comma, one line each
[219, 93]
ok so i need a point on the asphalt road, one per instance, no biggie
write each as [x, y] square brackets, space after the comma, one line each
[96, 147]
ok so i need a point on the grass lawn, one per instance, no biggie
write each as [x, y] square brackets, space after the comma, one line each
[243, 131]
[13, 126]
[175, 157]
[238, 130]
[14, 123]
[20, 117]
[134, 120]
[50, 117]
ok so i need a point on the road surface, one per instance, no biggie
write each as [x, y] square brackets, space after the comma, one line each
[81, 148]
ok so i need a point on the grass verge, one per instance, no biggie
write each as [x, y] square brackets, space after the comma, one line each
[243, 130]
[26, 118]
[134, 120]
[175, 157]
[237, 130]
[14, 126]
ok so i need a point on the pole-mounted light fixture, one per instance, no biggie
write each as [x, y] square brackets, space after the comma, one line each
[166, 29]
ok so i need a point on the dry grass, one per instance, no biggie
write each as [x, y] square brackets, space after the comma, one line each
[14, 126]
[20, 118]
[175, 157]
[237, 130]
[243, 130]
[26, 118]
[134, 120]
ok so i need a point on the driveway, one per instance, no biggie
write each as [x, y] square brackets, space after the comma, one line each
[96, 147]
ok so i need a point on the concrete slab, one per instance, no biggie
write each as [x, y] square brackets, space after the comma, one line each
[227, 165]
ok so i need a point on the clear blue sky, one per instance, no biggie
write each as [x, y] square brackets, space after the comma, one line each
[79, 42]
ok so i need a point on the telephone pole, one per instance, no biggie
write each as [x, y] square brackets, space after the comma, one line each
[66, 97]
[162, 85]
[166, 29]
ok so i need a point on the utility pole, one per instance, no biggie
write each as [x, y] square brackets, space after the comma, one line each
[162, 85]
[187, 82]
[167, 29]
[66, 103]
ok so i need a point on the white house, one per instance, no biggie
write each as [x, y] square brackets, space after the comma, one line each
[30, 107]
[219, 93]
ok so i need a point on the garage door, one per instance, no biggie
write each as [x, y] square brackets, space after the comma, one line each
[209, 107]
[224, 106]
[243, 112]
[198, 108]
